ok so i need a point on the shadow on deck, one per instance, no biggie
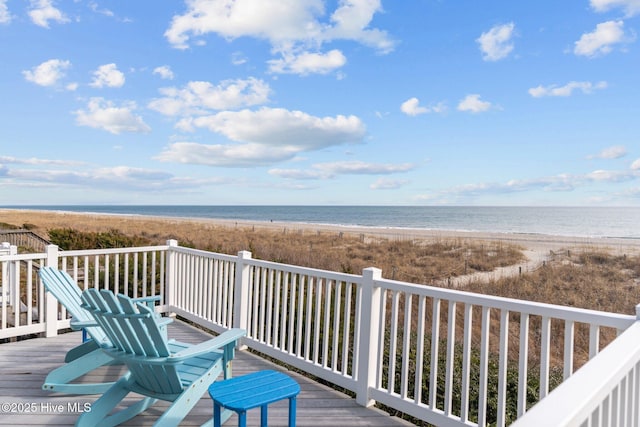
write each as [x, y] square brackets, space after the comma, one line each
[25, 364]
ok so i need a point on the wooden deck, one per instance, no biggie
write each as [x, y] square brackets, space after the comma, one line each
[25, 364]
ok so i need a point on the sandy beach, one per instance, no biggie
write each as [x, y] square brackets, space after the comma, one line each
[531, 242]
[535, 246]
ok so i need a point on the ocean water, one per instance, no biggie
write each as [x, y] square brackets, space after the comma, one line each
[617, 222]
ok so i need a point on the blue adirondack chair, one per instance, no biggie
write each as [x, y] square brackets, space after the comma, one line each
[87, 356]
[156, 370]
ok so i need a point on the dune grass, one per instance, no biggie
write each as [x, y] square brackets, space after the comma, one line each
[411, 260]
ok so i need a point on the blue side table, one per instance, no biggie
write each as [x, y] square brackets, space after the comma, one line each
[261, 388]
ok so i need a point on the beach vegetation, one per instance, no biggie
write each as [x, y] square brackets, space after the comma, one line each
[72, 239]
[589, 278]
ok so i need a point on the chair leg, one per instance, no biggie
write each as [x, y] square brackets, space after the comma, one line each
[101, 408]
[189, 398]
[59, 379]
[225, 414]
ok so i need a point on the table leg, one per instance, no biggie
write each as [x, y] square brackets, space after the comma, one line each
[292, 411]
[263, 416]
[216, 415]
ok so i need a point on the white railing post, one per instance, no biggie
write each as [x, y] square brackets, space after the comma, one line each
[51, 304]
[369, 342]
[14, 284]
[170, 278]
[241, 291]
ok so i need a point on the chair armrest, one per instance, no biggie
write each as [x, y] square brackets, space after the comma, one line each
[213, 345]
[148, 301]
[76, 325]
[164, 321]
[225, 338]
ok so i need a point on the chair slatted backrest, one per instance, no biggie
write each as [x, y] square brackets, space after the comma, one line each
[133, 330]
[68, 293]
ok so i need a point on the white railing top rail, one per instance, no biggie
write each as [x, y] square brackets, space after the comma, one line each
[84, 252]
[22, 257]
[612, 320]
[203, 253]
[328, 274]
[575, 401]
[89, 252]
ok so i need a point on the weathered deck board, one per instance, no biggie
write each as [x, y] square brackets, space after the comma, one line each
[25, 364]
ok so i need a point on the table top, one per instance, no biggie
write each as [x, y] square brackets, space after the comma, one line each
[253, 390]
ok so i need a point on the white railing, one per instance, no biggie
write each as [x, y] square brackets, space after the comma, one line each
[493, 357]
[27, 309]
[507, 351]
[202, 286]
[21, 294]
[605, 392]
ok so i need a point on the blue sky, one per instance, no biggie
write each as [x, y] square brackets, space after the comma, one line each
[416, 102]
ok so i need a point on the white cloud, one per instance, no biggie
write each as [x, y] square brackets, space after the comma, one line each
[48, 73]
[226, 155]
[635, 165]
[96, 8]
[352, 19]
[308, 63]
[263, 137]
[474, 104]
[238, 58]
[610, 176]
[300, 174]
[164, 72]
[203, 97]
[280, 127]
[388, 184]
[497, 43]
[106, 178]
[332, 169]
[43, 11]
[566, 90]
[600, 41]
[363, 168]
[631, 7]
[37, 161]
[412, 107]
[102, 114]
[127, 173]
[108, 75]
[554, 183]
[614, 152]
[277, 20]
[293, 27]
[5, 16]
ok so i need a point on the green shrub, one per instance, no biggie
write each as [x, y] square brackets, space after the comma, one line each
[70, 239]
